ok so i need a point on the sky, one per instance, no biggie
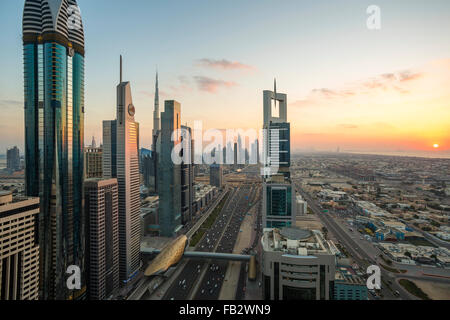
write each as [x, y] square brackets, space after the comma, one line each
[347, 86]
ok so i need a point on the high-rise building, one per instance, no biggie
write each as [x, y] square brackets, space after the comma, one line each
[279, 201]
[53, 47]
[121, 161]
[187, 175]
[13, 159]
[156, 120]
[147, 168]
[235, 154]
[169, 173]
[19, 251]
[276, 145]
[297, 264]
[93, 162]
[216, 175]
[102, 237]
[156, 138]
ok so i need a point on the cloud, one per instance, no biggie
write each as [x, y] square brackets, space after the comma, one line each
[212, 85]
[223, 64]
[408, 75]
[393, 81]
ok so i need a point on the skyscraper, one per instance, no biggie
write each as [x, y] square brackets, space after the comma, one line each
[19, 252]
[279, 202]
[156, 120]
[187, 176]
[53, 42]
[13, 159]
[121, 161]
[169, 174]
[155, 136]
[102, 237]
[93, 158]
[216, 175]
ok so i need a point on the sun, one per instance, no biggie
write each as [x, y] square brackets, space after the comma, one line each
[435, 146]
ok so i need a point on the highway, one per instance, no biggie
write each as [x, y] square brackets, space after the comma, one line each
[219, 238]
[211, 284]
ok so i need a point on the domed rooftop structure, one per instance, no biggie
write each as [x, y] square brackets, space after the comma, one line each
[48, 18]
[293, 233]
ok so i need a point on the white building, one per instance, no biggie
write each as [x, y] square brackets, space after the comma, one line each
[121, 161]
[297, 264]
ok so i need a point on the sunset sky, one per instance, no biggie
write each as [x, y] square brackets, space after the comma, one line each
[384, 90]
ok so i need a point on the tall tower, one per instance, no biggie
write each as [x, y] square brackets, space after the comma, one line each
[156, 121]
[169, 184]
[102, 237]
[279, 205]
[121, 161]
[155, 134]
[53, 46]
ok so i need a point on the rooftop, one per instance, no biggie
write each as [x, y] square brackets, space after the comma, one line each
[296, 241]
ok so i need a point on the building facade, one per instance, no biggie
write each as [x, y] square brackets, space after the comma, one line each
[54, 135]
[13, 159]
[279, 201]
[121, 161]
[216, 175]
[297, 264]
[93, 162]
[102, 241]
[19, 250]
[187, 175]
[279, 205]
[169, 173]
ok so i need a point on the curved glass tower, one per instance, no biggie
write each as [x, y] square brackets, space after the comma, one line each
[53, 43]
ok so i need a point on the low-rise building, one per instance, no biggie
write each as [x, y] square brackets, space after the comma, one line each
[348, 285]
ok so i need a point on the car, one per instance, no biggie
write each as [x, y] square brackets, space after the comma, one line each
[396, 293]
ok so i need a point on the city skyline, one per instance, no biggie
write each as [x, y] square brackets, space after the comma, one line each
[384, 95]
[333, 119]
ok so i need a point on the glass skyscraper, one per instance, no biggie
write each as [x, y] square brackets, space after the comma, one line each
[279, 206]
[53, 47]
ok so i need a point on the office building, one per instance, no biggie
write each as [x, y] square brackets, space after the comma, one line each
[235, 154]
[279, 204]
[187, 175]
[147, 164]
[169, 173]
[54, 135]
[348, 285]
[276, 145]
[13, 159]
[279, 200]
[102, 237]
[297, 264]
[156, 139]
[216, 175]
[121, 161]
[19, 251]
[93, 162]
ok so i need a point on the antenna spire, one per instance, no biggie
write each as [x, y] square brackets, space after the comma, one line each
[120, 68]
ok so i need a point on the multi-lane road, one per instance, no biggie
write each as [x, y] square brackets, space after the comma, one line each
[203, 279]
